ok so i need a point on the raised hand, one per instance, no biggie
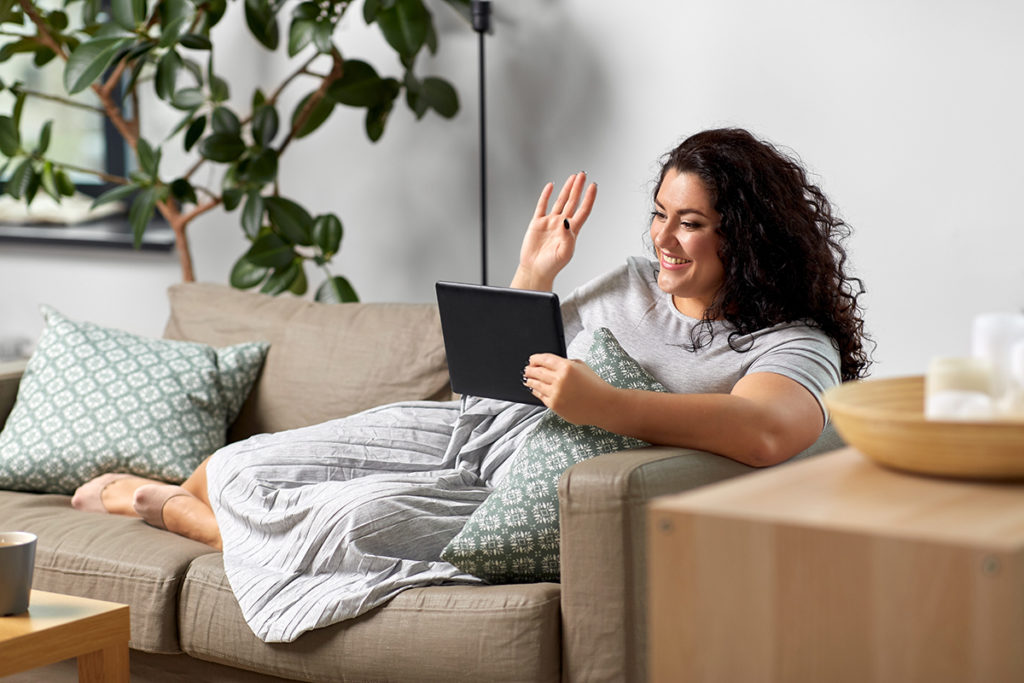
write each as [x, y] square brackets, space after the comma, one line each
[550, 238]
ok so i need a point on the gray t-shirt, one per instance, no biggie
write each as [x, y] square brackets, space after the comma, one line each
[643, 318]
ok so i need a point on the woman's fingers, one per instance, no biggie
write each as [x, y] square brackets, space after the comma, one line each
[563, 195]
[580, 215]
[542, 202]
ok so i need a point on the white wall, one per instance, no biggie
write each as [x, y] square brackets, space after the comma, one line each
[908, 113]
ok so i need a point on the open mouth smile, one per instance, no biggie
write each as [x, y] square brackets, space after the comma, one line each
[674, 261]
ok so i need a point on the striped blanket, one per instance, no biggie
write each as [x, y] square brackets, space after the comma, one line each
[326, 522]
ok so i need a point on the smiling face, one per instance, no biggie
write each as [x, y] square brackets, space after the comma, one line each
[684, 230]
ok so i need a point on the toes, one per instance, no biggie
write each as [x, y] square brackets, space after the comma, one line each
[89, 496]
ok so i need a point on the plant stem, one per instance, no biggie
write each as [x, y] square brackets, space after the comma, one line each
[318, 94]
[107, 177]
[61, 100]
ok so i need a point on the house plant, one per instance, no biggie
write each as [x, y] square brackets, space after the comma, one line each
[128, 50]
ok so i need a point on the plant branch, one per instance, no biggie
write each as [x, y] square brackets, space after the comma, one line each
[106, 177]
[61, 100]
[42, 29]
[319, 94]
[284, 84]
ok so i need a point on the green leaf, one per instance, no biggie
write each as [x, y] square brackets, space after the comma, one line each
[215, 10]
[33, 186]
[300, 34]
[262, 168]
[219, 90]
[252, 215]
[195, 131]
[225, 121]
[359, 86]
[194, 41]
[306, 10]
[376, 119]
[183, 191]
[259, 15]
[222, 147]
[18, 184]
[405, 26]
[64, 184]
[149, 159]
[291, 220]
[232, 198]
[44, 138]
[327, 232]
[10, 141]
[89, 60]
[270, 251]
[123, 14]
[141, 213]
[370, 10]
[322, 31]
[283, 278]
[172, 30]
[43, 56]
[245, 274]
[167, 75]
[440, 96]
[188, 98]
[115, 195]
[49, 182]
[336, 290]
[265, 123]
[320, 112]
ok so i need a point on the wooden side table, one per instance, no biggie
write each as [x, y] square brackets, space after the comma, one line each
[836, 569]
[58, 627]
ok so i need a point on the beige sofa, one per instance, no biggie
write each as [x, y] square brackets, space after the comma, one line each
[327, 361]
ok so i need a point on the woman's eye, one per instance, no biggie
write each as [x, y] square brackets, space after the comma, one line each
[659, 215]
[688, 225]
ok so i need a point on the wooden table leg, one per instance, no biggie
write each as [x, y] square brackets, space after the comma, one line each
[109, 665]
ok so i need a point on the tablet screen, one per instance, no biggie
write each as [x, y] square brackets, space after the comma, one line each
[490, 333]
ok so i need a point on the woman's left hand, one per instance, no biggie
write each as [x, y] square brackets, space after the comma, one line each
[568, 387]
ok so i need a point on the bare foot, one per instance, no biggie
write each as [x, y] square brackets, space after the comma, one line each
[109, 493]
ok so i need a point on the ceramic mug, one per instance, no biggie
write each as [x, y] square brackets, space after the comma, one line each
[17, 560]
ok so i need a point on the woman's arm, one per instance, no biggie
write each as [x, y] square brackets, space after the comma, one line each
[766, 419]
[551, 236]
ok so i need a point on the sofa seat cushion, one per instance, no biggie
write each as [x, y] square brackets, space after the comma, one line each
[439, 633]
[107, 557]
[325, 360]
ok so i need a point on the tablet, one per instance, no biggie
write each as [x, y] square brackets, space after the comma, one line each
[490, 333]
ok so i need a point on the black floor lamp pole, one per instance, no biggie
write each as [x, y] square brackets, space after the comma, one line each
[482, 25]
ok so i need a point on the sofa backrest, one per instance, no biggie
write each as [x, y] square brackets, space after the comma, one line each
[325, 360]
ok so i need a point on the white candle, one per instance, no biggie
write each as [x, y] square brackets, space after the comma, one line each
[958, 389]
[992, 337]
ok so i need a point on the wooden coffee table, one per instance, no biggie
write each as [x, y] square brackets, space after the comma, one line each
[58, 627]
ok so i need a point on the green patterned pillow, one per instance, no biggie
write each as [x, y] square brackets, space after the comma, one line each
[513, 536]
[96, 400]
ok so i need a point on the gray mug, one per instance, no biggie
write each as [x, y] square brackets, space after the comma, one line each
[17, 560]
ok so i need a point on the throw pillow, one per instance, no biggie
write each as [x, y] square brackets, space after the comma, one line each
[96, 400]
[513, 536]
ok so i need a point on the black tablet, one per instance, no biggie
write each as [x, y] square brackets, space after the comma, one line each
[490, 333]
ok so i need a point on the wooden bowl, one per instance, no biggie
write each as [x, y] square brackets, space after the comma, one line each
[884, 420]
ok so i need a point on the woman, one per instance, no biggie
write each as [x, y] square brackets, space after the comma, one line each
[746, 317]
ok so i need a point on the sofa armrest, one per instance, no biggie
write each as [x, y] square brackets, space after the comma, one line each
[603, 553]
[10, 378]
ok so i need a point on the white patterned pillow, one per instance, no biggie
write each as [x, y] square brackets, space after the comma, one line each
[96, 400]
[513, 536]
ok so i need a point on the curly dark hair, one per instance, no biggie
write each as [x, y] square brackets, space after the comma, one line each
[782, 246]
